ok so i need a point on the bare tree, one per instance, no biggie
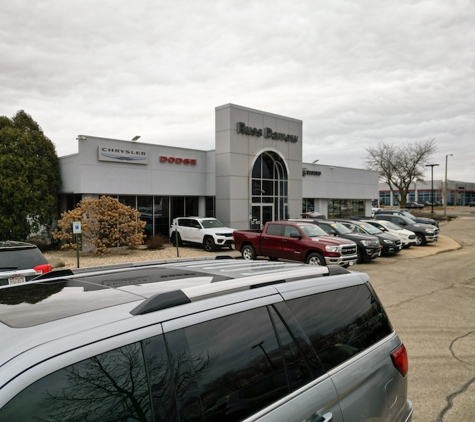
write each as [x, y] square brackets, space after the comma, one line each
[400, 165]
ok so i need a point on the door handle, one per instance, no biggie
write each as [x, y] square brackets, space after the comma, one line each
[327, 417]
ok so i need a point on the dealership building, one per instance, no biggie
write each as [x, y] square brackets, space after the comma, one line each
[255, 174]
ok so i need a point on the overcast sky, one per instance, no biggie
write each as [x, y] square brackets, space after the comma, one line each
[355, 72]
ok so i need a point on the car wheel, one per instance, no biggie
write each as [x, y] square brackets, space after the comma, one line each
[175, 238]
[420, 240]
[359, 256]
[209, 245]
[248, 253]
[315, 259]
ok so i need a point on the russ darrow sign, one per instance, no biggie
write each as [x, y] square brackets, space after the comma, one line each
[267, 132]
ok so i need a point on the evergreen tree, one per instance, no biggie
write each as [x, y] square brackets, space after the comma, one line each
[29, 178]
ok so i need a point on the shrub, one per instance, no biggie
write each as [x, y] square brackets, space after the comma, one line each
[156, 242]
[105, 223]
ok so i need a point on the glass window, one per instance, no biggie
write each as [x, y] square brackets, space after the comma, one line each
[129, 200]
[109, 387]
[192, 206]
[162, 224]
[160, 379]
[145, 207]
[225, 371]
[275, 230]
[341, 323]
[210, 206]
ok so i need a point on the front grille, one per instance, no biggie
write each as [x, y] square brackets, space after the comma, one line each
[348, 250]
[226, 234]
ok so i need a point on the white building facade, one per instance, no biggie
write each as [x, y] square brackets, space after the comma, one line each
[254, 175]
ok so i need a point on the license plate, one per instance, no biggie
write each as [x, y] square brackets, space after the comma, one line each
[16, 280]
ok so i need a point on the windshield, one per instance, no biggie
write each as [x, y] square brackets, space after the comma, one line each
[340, 228]
[391, 226]
[370, 229]
[407, 220]
[408, 215]
[312, 230]
[211, 224]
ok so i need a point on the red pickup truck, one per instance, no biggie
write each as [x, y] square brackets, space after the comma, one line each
[297, 241]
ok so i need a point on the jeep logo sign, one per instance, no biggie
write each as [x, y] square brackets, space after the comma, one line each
[267, 133]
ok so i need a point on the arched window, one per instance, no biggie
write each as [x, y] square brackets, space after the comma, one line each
[269, 189]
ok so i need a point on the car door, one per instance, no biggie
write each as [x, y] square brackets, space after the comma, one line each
[292, 245]
[272, 241]
[247, 361]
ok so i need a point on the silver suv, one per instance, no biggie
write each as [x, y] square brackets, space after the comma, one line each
[207, 340]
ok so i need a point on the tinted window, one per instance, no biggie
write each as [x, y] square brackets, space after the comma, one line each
[341, 323]
[275, 230]
[228, 368]
[21, 259]
[108, 387]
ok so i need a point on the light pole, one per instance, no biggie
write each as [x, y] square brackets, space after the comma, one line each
[445, 190]
[432, 185]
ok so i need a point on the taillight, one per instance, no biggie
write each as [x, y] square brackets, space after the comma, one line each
[44, 268]
[400, 361]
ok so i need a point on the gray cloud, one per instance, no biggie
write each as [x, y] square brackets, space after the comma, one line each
[355, 72]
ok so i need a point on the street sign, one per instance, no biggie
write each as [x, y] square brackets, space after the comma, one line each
[76, 227]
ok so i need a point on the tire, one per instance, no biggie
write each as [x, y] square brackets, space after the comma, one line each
[173, 239]
[248, 253]
[359, 257]
[208, 244]
[315, 259]
[420, 239]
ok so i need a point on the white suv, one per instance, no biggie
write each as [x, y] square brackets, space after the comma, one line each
[206, 231]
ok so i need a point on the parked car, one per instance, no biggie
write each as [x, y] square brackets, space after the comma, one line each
[20, 262]
[368, 246]
[206, 231]
[274, 342]
[390, 244]
[414, 205]
[405, 213]
[407, 237]
[295, 240]
[424, 232]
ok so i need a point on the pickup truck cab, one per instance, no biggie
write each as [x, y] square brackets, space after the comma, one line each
[206, 231]
[297, 241]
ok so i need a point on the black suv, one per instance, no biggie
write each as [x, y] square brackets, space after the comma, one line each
[20, 261]
[407, 214]
[390, 244]
[424, 232]
[368, 246]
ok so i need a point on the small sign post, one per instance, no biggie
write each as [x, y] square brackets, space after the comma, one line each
[175, 223]
[77, 233]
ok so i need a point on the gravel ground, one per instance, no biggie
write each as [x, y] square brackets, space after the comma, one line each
[68, 259]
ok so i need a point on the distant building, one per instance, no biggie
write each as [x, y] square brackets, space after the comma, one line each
[458, 193]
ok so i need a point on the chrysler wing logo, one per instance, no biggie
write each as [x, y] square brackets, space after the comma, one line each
[123, 157]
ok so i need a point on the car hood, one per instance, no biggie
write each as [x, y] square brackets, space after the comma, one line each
[424, 220]
[387, 236]
[332, 240]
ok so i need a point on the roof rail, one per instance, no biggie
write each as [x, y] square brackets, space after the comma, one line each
[186, 295]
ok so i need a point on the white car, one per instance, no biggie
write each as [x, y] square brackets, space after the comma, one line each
[206, 231]
[407, 237]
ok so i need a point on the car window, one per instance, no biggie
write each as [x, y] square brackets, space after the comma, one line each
[275, 230]
[290, 231]
[341, 323]
[184, 222]
[112, 386]
[224, 370]
[369, 229]
[211, 224]
[21, 259]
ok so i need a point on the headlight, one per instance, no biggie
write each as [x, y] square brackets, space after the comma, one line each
[389, 242]
[333, 248]
[430, 231]
[404, 236]
[366, 243]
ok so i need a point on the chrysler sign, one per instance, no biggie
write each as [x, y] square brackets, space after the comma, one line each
[123, 155]
[267, 132]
